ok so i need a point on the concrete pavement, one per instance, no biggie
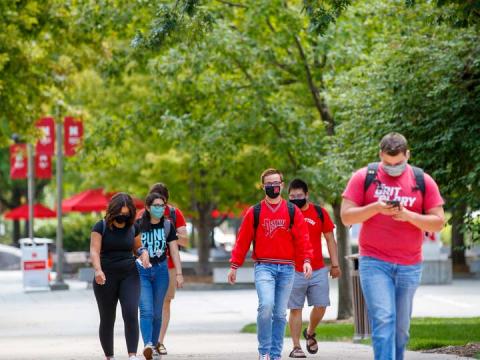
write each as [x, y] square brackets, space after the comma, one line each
[204, 325]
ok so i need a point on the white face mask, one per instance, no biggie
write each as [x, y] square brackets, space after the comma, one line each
[395, 170]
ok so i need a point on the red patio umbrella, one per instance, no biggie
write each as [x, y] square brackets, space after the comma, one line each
[21, 213]
[93, 200]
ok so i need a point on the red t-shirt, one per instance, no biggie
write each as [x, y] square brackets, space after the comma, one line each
[274, 241]
[315, 230]
[180, 221]
[381, 236]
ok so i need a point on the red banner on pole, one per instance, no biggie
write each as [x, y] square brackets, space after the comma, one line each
[46, 144]
[18, 161]
[73, 130]
[43, 166]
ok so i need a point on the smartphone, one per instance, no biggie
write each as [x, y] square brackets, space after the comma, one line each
[394, 203]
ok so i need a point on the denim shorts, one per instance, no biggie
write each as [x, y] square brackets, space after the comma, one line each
[315, 289]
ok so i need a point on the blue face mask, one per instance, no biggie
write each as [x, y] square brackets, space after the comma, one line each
[157, 211]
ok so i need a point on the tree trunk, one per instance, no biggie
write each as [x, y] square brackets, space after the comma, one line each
[345, 295]
[205, 227]
[458, 238]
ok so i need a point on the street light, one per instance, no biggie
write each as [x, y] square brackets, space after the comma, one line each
[59, 283]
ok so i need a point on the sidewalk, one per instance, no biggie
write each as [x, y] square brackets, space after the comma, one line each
[204, 325]
[213, 346]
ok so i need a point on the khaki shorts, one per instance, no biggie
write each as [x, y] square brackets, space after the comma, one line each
[172, 284]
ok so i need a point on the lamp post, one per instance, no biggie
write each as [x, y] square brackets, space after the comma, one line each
[59, 283]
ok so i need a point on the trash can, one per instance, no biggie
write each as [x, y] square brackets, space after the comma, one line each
[360, 315]
[36, 265]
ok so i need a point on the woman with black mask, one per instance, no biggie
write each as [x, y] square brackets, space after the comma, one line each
[114, 241]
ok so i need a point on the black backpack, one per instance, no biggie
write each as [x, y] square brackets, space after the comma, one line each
[371, 177]
[256, 215]
[291, 213]
[256, 218]
[167, 227]
[105, 228]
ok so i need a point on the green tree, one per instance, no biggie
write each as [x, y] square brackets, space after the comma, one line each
[249, 91]
[421, 80]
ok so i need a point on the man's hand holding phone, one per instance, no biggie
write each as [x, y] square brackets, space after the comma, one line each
[393, 203]
[389, 208]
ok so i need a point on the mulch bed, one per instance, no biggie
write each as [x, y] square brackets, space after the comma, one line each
[469, 350]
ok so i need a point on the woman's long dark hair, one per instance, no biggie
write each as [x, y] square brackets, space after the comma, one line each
[145, 220]
[115, 205]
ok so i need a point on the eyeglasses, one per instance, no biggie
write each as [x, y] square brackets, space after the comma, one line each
[158, 206]
[275, 183]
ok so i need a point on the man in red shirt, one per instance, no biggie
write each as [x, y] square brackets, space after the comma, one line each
[181, 226]
[279, 234]
[403, 204]
[316, 288]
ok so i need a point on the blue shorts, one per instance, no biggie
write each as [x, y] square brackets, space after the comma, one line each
[315, 289]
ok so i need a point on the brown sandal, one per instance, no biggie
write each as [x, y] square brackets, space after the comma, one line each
[297, 353]
[311, 342]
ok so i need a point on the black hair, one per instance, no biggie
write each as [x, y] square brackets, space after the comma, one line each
[145, 220]
[161, 189]
[298, 184]
[115, 205]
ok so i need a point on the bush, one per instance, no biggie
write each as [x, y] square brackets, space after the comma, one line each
[76, 231]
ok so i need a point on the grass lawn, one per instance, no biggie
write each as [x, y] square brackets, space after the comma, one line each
[425, 333]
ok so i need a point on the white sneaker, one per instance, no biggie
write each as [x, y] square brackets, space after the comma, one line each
[133, 358]
[264, 357]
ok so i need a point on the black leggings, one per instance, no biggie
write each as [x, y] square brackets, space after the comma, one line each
[126, 288]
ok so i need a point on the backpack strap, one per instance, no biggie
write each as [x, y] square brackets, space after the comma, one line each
[319, 210]
[419, 179]
[420, 183]
[291, 213]
[372, 170]
[167, 227]
[256, 216]
[104, 223]
[173, 214]
[256, 221]
[104, 228]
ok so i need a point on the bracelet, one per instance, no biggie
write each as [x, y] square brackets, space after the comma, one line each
[179, 274]
[334, 266]
[141, 250]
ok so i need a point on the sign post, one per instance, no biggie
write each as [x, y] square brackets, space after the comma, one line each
[31, 189]
[59, 283]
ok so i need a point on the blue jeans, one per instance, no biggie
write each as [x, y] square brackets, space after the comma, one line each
[153, 288]
[388, 290]
[274, 284]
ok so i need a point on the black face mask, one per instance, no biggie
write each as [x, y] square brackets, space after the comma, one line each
[299, 202]
[122, 219]
[272, 191]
